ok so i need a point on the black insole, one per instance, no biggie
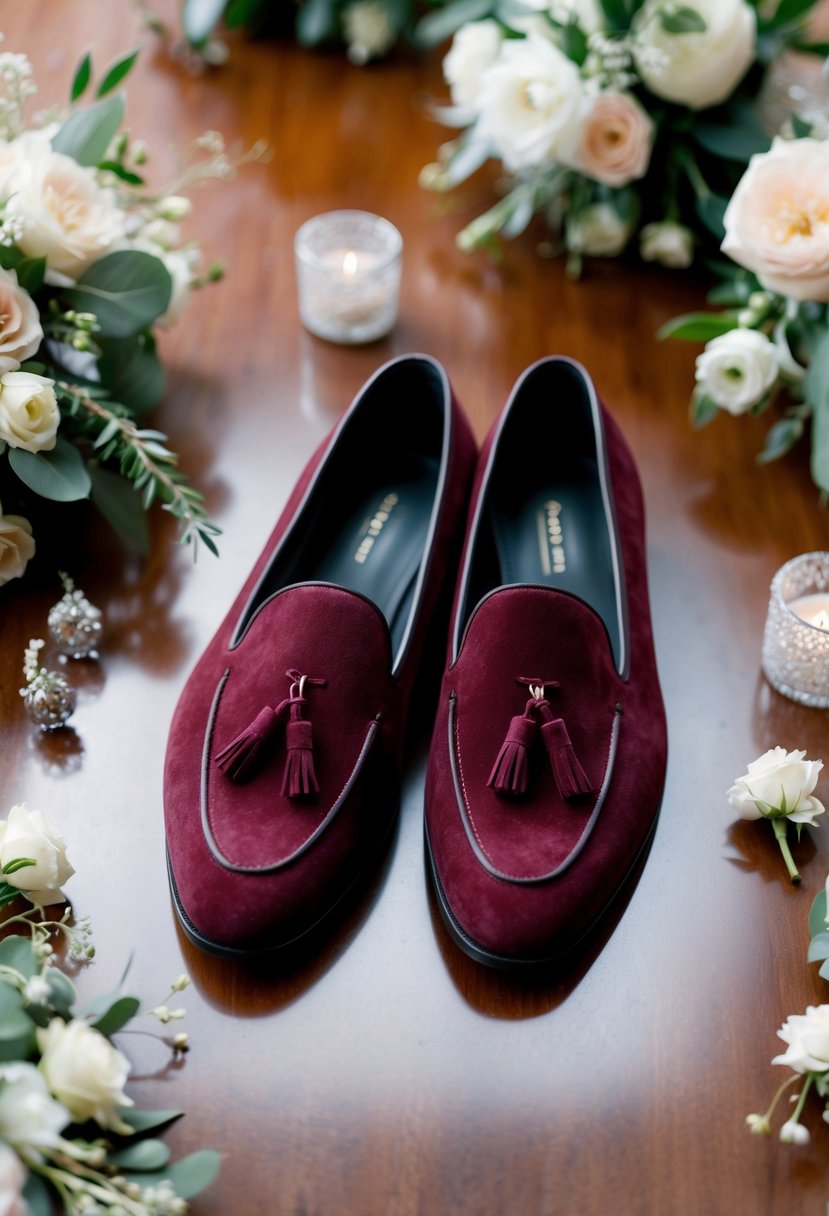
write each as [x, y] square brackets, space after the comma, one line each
[375, 544]
[555, 532]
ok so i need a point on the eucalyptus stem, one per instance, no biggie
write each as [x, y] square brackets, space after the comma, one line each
[780, 826]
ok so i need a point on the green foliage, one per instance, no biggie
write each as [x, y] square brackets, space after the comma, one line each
[87, 132]
[682, 21]
[189, 1176]
[127, 291]
[200, 17]
[117, 71]
[59, 475]
[698, 326]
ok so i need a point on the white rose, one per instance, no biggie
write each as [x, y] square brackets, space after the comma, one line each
[30, 1119]
[598, 231]
[616, 137]
[67, 217]
[778, 783]
[474, 49]
[737, 369]
[777, 222]
[84, 1072]
[30, 834]
[12, 1180]
[696, 69]
[530, 104]
[20, 330]
[807, 1039]
[29, 414]
[668, 243]
[17, 547]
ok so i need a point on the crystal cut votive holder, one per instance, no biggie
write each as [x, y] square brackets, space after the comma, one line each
[348, 275]
[796, 640]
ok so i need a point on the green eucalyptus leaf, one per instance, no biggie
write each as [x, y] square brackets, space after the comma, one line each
[17, 952]
[59, 475]
[31, 273]
[816, 392]
[10, 258]
[88, 132]
[61, 991]
[711, 210]
[438, 26]
[698, 326]
[316, 21]
[199, 19]
[703, 410]
[818, 948]
[116, 499]
[116, 72]
[17, 1030]
[730, 143]
[143, 1155]
[682, 21]
[127, 291]
[780, 438]
[132, 372]
[817, 914]
[82, 77]
[37, 1196]
[148, 1120]
[116, 1015]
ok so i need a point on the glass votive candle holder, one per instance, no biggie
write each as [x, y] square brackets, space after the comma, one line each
[348, 275]
[796, 638]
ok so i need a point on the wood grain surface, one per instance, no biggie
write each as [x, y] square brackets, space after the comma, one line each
[388, 1075]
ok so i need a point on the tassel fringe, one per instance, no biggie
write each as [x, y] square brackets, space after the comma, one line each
[510, 772]
[239, 758]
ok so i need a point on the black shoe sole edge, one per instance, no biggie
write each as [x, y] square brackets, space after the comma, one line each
[280, 948]
[530, 964]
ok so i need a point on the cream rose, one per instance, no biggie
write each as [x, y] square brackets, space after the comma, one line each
[806, 1036]
[530, 104]
[17, 547]
[737, 369]
[67, 217]
[30, 1119]
[84, 1072]
[29, 414]
[668, 243]
[30, 834]
[598, 231]
[777, 222]
[779, 783]
[13, 1175]
[696, 69]
[20, 330]
[616, 139]
[474, 49]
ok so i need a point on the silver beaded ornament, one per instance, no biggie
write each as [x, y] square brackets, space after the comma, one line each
[48, 697]
[75, 625]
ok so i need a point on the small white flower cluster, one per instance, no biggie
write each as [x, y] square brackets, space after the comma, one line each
[611, 62]
[367, 30]
[17, 87]
[161, 1200]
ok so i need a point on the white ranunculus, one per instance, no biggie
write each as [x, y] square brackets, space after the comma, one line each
[20, 330]
[615, 142]
[598, 231]
[12, 1180]
[474, 49]
[30, 834]
[778, 783]
[67, 217]
[84, 1072]
[17, 547]
[806, 1036]
[696, 69]
[29, 414]
[367, 30]
[777, 222]
[530, 104]
[30, 1118]
[668, 243]
[737, 369]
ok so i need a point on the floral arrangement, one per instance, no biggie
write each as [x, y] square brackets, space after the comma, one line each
[771, 341]
[807, 1043]
[615, 120]
[91, 262]
[367, 28]
[69, 1134]
[779, 787]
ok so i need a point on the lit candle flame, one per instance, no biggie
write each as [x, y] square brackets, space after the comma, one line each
[350, 264]
[821, 621]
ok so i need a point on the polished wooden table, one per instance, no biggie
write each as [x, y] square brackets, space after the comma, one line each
[388, 1075]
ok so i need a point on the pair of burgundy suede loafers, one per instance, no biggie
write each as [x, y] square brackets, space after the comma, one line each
[549, 748]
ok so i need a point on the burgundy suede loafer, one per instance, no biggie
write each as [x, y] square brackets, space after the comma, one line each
[281, 776]
[548, 757]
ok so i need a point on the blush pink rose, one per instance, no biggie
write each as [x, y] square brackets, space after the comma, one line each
[616, 139]
[777, 223]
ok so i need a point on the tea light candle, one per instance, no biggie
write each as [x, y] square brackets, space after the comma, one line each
[348, 275]
[796, 639]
